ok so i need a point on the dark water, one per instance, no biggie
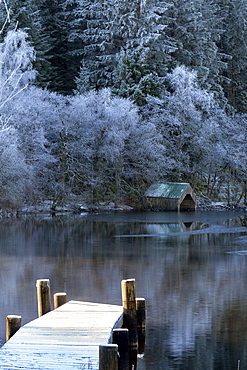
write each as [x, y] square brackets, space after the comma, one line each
[190, 267]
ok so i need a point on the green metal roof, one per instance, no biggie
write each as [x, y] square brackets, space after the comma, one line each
[168, 190]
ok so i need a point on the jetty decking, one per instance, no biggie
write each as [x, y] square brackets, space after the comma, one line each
[65, 338]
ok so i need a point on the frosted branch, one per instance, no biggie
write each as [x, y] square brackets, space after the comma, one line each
[7, 19]
[11, 96]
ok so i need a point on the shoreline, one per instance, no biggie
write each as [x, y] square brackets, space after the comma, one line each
[75, 208]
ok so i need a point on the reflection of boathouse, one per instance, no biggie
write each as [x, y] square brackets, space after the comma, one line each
[171, 196]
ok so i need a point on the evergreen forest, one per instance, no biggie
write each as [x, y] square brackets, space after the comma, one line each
[98, 99]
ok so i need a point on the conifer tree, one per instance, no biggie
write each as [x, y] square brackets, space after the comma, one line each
[125, 45]
[94, 35]
[55, 28]
[234, 42]
[196, 27]
[144, 57]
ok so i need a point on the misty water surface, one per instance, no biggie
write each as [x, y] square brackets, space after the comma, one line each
[190, 267]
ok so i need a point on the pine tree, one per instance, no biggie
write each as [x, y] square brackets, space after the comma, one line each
[125, 45]
[54, 25]
[233, 42]
[82, 81]
[144, 57]
[196, 27]
[93, 31]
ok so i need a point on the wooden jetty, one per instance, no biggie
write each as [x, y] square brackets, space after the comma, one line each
[76, 335]
[65, 338]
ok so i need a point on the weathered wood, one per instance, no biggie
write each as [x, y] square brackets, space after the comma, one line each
[130, 319]
[121, 338]
[59, 299]
[13, 323]
[170, 196]
[65, 338]
[108, 357]
[141, 323]
[129, 310]
[43, 296]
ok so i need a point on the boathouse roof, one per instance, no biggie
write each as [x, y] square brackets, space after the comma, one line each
[171, 196]
[168, 190]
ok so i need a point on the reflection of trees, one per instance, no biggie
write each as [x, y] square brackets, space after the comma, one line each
[201, 290]
[198, 299]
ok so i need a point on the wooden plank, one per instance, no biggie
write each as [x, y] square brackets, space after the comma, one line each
[66, 338]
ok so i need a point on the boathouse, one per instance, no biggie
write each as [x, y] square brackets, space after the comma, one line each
[170, 196]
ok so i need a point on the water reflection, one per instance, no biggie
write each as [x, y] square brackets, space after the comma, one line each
[195, 289]
[166, 229]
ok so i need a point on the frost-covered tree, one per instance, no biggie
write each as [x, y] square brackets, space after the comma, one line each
[203, 145]
[4, 16]
[92, 143]
[15, 173]
[135, 80]
[83, 80]
[31, 117]
[94, 31]
[25, 15]
[231, 174]
[99, 128]
[123, 43]
[16, 70]
[239, 154]
[145, 156]
[144, 57]
[196, 27]
[100, 144]
[189, 108]
[233, 42]
[182, 116]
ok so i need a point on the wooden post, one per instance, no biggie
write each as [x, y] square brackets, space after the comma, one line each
[108, 357]
[130, 319]
[43, 294]
[59, 299]
[13, 323]
[141, 323]
[129, 310]
[121, 338]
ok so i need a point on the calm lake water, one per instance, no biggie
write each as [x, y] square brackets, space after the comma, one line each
[190, 267]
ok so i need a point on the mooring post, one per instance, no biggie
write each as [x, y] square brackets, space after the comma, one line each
[129, 310]
[59, 299]
[121, 338]
[141, 323]
[13, 323]
[130, 318]
[108, 357]
[43, 295]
